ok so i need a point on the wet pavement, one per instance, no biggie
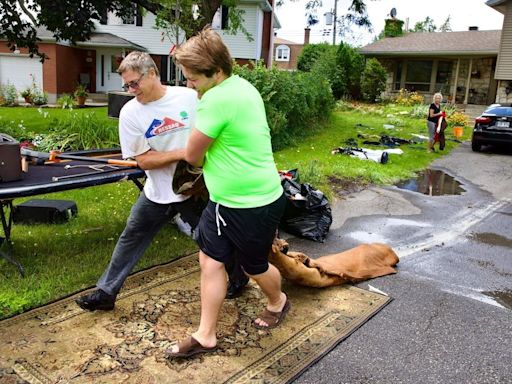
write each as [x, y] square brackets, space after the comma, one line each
[432, 182]
[451, 317]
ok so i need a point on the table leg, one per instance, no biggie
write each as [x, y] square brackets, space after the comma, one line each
[7, 225]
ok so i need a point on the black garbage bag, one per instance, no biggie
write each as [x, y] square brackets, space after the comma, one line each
[307, 213]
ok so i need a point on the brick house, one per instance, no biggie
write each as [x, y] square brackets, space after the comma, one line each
[94, 62]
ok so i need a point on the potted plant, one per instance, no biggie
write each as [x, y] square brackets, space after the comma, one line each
[27, 95]
[458, 121]
[80, 94]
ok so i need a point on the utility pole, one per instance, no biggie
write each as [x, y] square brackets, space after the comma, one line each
[334, 22]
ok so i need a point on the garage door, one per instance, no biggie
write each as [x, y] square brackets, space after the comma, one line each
[16, 69]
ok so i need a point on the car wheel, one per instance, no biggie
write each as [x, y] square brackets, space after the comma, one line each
[476, 146]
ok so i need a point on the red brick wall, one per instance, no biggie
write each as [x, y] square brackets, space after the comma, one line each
[61, 71]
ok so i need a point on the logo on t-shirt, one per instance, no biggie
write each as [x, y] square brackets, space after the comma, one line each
[163, 127]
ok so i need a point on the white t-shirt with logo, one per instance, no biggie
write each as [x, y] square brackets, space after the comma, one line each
[161, 125]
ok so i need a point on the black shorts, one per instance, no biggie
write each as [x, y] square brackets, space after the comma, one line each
[247, 232]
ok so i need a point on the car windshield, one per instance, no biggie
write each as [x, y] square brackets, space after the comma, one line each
[499, 111]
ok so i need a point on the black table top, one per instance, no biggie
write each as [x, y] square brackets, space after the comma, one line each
[45, 178]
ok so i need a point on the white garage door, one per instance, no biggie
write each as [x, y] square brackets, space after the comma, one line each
[16, 69]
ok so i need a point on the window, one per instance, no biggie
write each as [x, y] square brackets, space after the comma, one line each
[417, 77]
[444, 74]
[398, 76]
[282, 53]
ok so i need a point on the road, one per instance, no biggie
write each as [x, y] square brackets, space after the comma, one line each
[451, 317]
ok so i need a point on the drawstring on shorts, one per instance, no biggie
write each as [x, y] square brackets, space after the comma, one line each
[218, 218]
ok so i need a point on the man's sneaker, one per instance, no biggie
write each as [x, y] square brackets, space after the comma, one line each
[235, 289]
[96, 300]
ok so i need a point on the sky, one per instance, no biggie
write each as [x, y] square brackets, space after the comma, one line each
[463, 14]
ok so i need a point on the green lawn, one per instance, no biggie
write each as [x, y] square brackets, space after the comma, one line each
[62, 259]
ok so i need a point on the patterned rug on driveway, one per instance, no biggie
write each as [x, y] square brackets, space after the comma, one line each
[60, 343]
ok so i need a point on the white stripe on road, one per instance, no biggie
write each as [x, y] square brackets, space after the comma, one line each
[463, 224]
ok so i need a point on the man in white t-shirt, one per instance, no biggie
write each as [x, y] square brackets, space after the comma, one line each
[153, 129]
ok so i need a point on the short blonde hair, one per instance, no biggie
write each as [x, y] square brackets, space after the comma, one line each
[205, 53]
[137, 61]
[436, 95]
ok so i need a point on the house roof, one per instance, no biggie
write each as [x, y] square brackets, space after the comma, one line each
[109, 40]
[98, 39]
[498, 5]
[278, 40]
[437, 43]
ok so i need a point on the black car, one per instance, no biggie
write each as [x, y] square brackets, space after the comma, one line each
[493, 126]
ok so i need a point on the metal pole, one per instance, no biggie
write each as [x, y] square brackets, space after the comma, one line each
[334, 24]
[176, 18]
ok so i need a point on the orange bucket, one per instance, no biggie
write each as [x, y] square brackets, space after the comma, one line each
[458, 131]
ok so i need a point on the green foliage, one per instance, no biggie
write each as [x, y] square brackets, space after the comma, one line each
[39, 97]
[352, 63]
[393, 28]
[8, 94]
[426, 25]
[374, 80]
[328, 68]
[310, 54]
[77, 131]
[294, 101]
[80, 91]
[420, 111]
[66, 101]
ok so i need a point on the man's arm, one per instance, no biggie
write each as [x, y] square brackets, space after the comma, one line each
[197, 146]
[156, 159]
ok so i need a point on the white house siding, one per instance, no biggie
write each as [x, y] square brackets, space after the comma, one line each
[239, 46]
[504, 63]
[150, 38]
[146, 35]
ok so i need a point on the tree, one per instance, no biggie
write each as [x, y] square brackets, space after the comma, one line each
[310, 54]
[73, 20]
[373, 81]
[426, 25]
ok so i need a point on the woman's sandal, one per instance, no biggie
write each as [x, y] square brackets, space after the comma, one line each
[187, 348]
[273, 319]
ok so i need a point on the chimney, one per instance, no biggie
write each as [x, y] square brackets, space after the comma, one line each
[473, 28]
[306, 35]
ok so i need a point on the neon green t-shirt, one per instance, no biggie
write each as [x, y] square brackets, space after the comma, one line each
[239, 168]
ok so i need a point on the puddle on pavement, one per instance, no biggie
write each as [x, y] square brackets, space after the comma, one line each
[502, 297]
[432, 182]
[492, 239]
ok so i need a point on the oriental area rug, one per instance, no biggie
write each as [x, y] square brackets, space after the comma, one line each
[60, 343]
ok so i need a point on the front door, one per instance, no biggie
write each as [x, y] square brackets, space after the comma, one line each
[107, 62]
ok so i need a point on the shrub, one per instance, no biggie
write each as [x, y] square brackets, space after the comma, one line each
[373, 80]
[457, 119]
[420, 111]
[9, 94]
[409, 98]
[310, 54]
[78, 131]
[66, 101]
[295, 102]
[39, 97]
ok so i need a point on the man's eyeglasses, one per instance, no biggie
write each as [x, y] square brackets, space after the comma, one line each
[133, 84]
